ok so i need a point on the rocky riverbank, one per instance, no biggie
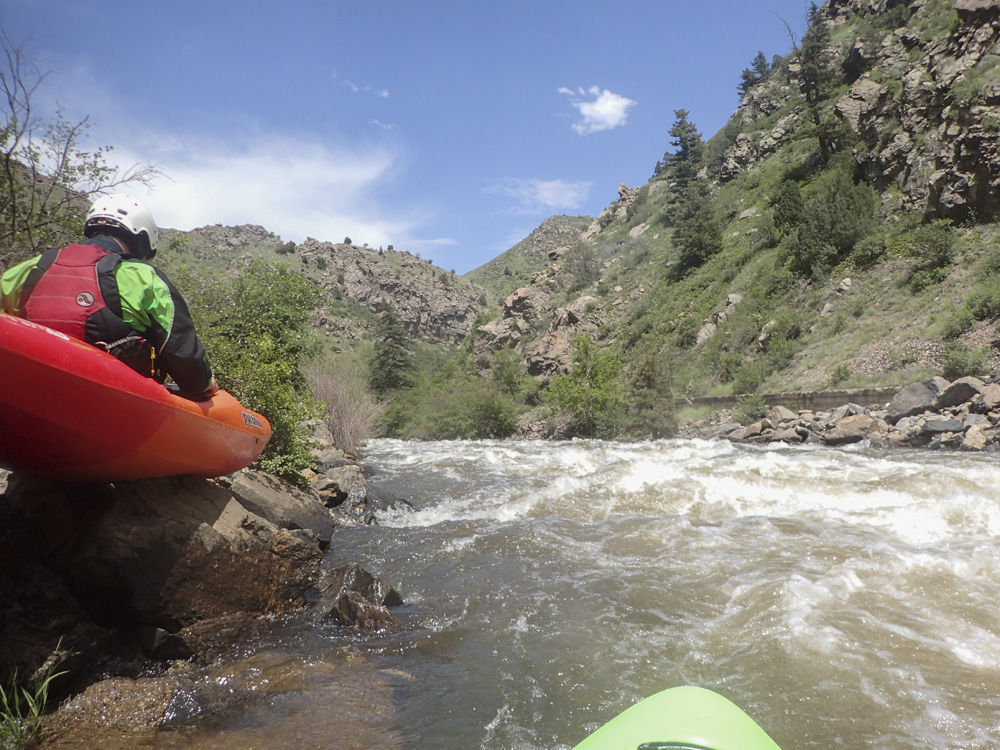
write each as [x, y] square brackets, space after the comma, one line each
[127, 586]
[935, 413]
[113, 584]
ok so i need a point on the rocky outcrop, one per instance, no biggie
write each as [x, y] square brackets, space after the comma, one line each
[430, 302]
[935, 137]
[924, 104]
[752, 148]
[553, 354]
[524, 313]
[935, 413]
[174, 567]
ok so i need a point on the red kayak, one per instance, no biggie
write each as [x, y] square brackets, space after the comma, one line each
[73, 412]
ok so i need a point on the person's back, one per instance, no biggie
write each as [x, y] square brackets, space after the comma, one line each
[103, 292]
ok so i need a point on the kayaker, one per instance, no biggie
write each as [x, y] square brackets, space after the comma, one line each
[105, 292]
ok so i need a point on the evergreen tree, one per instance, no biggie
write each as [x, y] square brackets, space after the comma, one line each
[697, 233]
[817, 79]
[683, 163]
[761, 67]
[758, 71]
[391, 367]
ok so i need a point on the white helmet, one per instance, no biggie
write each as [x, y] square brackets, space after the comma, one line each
[126, 213]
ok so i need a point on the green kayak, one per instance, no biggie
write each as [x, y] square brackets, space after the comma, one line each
[681, 718]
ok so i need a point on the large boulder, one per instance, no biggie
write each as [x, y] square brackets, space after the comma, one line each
[285, 505]
[168, 552]
[962, 390]
[915, 399]
[851, 429]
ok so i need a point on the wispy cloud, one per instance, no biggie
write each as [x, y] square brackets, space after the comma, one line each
[357, 89]
[599, 108]
[535, 196]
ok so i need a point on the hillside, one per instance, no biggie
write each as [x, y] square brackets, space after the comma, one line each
[358, 283]
[515, 267]
[839, 231]
[834, 233]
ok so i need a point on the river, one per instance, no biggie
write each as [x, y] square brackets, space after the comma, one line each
[843, 597]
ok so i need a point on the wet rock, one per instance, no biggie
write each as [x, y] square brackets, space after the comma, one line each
[283, 504]
[165, 552]
[355, 598]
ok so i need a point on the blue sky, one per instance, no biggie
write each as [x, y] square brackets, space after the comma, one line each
[449, 129]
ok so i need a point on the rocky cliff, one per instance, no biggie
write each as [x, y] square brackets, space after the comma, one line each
[923, 100]
[358, 282]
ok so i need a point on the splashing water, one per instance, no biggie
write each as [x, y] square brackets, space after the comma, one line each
[843, 598]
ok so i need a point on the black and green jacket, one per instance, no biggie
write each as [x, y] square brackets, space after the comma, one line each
[141, 310]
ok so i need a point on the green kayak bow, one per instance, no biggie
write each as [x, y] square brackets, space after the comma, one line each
[681, 718]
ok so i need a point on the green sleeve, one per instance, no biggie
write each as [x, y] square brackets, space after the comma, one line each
[145, 298]
[11, 283]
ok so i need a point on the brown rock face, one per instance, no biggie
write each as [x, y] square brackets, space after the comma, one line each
[169, 552]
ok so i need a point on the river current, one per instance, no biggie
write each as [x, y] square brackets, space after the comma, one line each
[844, 598]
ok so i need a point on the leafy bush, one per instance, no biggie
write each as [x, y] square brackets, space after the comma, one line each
[960, 361]
[512, 379]
[749, 377]
[257, 334]
[840, 373]
[933, 248]
[441, 409]
[749, 409]
[591, 391]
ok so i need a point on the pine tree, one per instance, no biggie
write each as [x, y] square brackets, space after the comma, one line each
[697, 233]
[683, 163]
[758, 71]
[391, 367]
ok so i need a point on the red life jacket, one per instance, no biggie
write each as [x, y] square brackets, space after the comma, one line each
[68, 293]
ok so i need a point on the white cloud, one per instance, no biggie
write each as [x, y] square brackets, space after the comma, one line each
[544, 196]
[603, 110]
[294, 186]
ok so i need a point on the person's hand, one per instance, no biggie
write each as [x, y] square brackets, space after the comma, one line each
[212, 389]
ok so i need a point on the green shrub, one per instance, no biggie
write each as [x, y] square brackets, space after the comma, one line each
[749, 377]
[840, 374]
[749, 409]
[932, 246]
[257, 334]
[591, 391]
[960, 361]
[837, 215]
